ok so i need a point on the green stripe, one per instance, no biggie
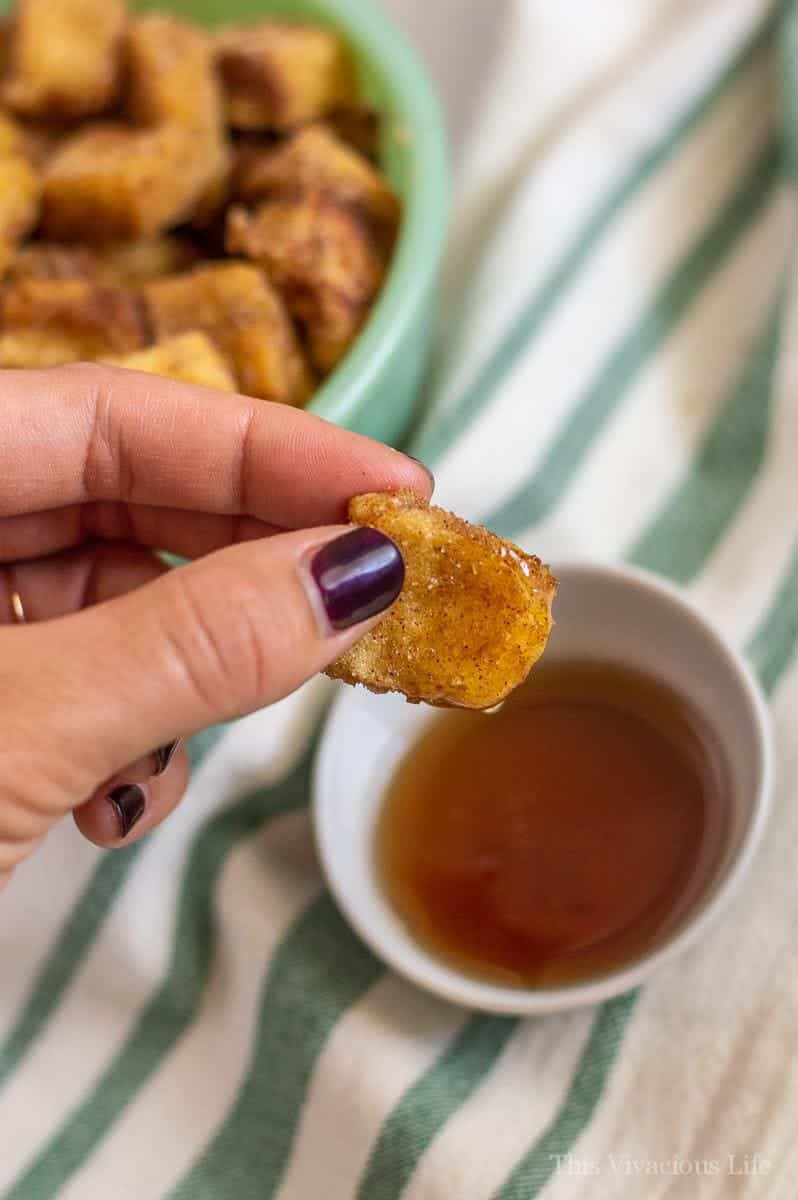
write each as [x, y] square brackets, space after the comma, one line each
[174, 1006]
[772, 649]
[435, 437]
[74, 939]
[319, 959]
[705, 504]
[788, 56]
[533, 1172]
[72, 944]
[532, 501]
[200, 746]
[428, 1104]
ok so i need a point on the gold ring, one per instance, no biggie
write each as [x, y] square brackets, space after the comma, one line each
[18, 607]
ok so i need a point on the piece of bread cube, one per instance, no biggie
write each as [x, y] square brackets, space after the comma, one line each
[47, 322]
[173, 80]
[110, 182]
[64, 57]
[190, 357]
[324, 262]
[472, 619]
[245, 319]
[314, 159]
[278, 75]
[171, 75]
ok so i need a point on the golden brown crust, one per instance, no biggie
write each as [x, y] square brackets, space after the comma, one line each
[322, 259]
[189, 357]
[472, 619]
[314, 159]
[171, 75]
[46, 322]
[64, 57]
[244, 317]
[277, 75]
[110, 182]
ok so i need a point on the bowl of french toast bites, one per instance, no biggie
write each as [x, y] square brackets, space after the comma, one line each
[249, 196]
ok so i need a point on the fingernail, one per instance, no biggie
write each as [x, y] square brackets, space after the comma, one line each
[128, 802]
[358, 575]
[164, 755]
[425, 467]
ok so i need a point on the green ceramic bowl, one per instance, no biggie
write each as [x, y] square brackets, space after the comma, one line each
[375, 389]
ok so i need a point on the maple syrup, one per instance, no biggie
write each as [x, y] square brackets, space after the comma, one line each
[561, 837]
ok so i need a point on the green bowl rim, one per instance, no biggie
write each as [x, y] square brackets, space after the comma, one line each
[419, 249]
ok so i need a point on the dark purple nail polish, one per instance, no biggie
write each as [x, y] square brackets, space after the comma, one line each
[128, 802]
[164, 755]
[358, 575]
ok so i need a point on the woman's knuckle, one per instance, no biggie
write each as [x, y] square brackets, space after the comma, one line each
[219, 647]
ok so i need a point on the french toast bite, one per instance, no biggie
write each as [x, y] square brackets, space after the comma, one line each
[244, 317]
[111, 182]
[314, 159]
[278, 75]
[49, 322]
[64, 58]
[189, 357]
[322, 259]
[473, 617]
[171, 76]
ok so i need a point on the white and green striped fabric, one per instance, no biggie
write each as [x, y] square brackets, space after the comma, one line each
[191, 1018]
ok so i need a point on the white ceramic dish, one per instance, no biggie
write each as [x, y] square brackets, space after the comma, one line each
[616, 614]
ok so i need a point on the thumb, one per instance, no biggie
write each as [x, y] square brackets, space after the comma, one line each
[205, 643]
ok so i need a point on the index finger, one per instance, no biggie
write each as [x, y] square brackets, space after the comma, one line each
[77, 434]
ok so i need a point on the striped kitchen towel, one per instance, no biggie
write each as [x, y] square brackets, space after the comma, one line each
[191, 1017]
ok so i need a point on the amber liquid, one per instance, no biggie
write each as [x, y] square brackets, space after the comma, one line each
[560, 837]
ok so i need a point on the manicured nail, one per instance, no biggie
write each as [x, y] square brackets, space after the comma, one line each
[164, 755]
[358, 575]
[425, 467]
[128, 802]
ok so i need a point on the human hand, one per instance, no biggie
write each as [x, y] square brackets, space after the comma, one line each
[99, 469]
